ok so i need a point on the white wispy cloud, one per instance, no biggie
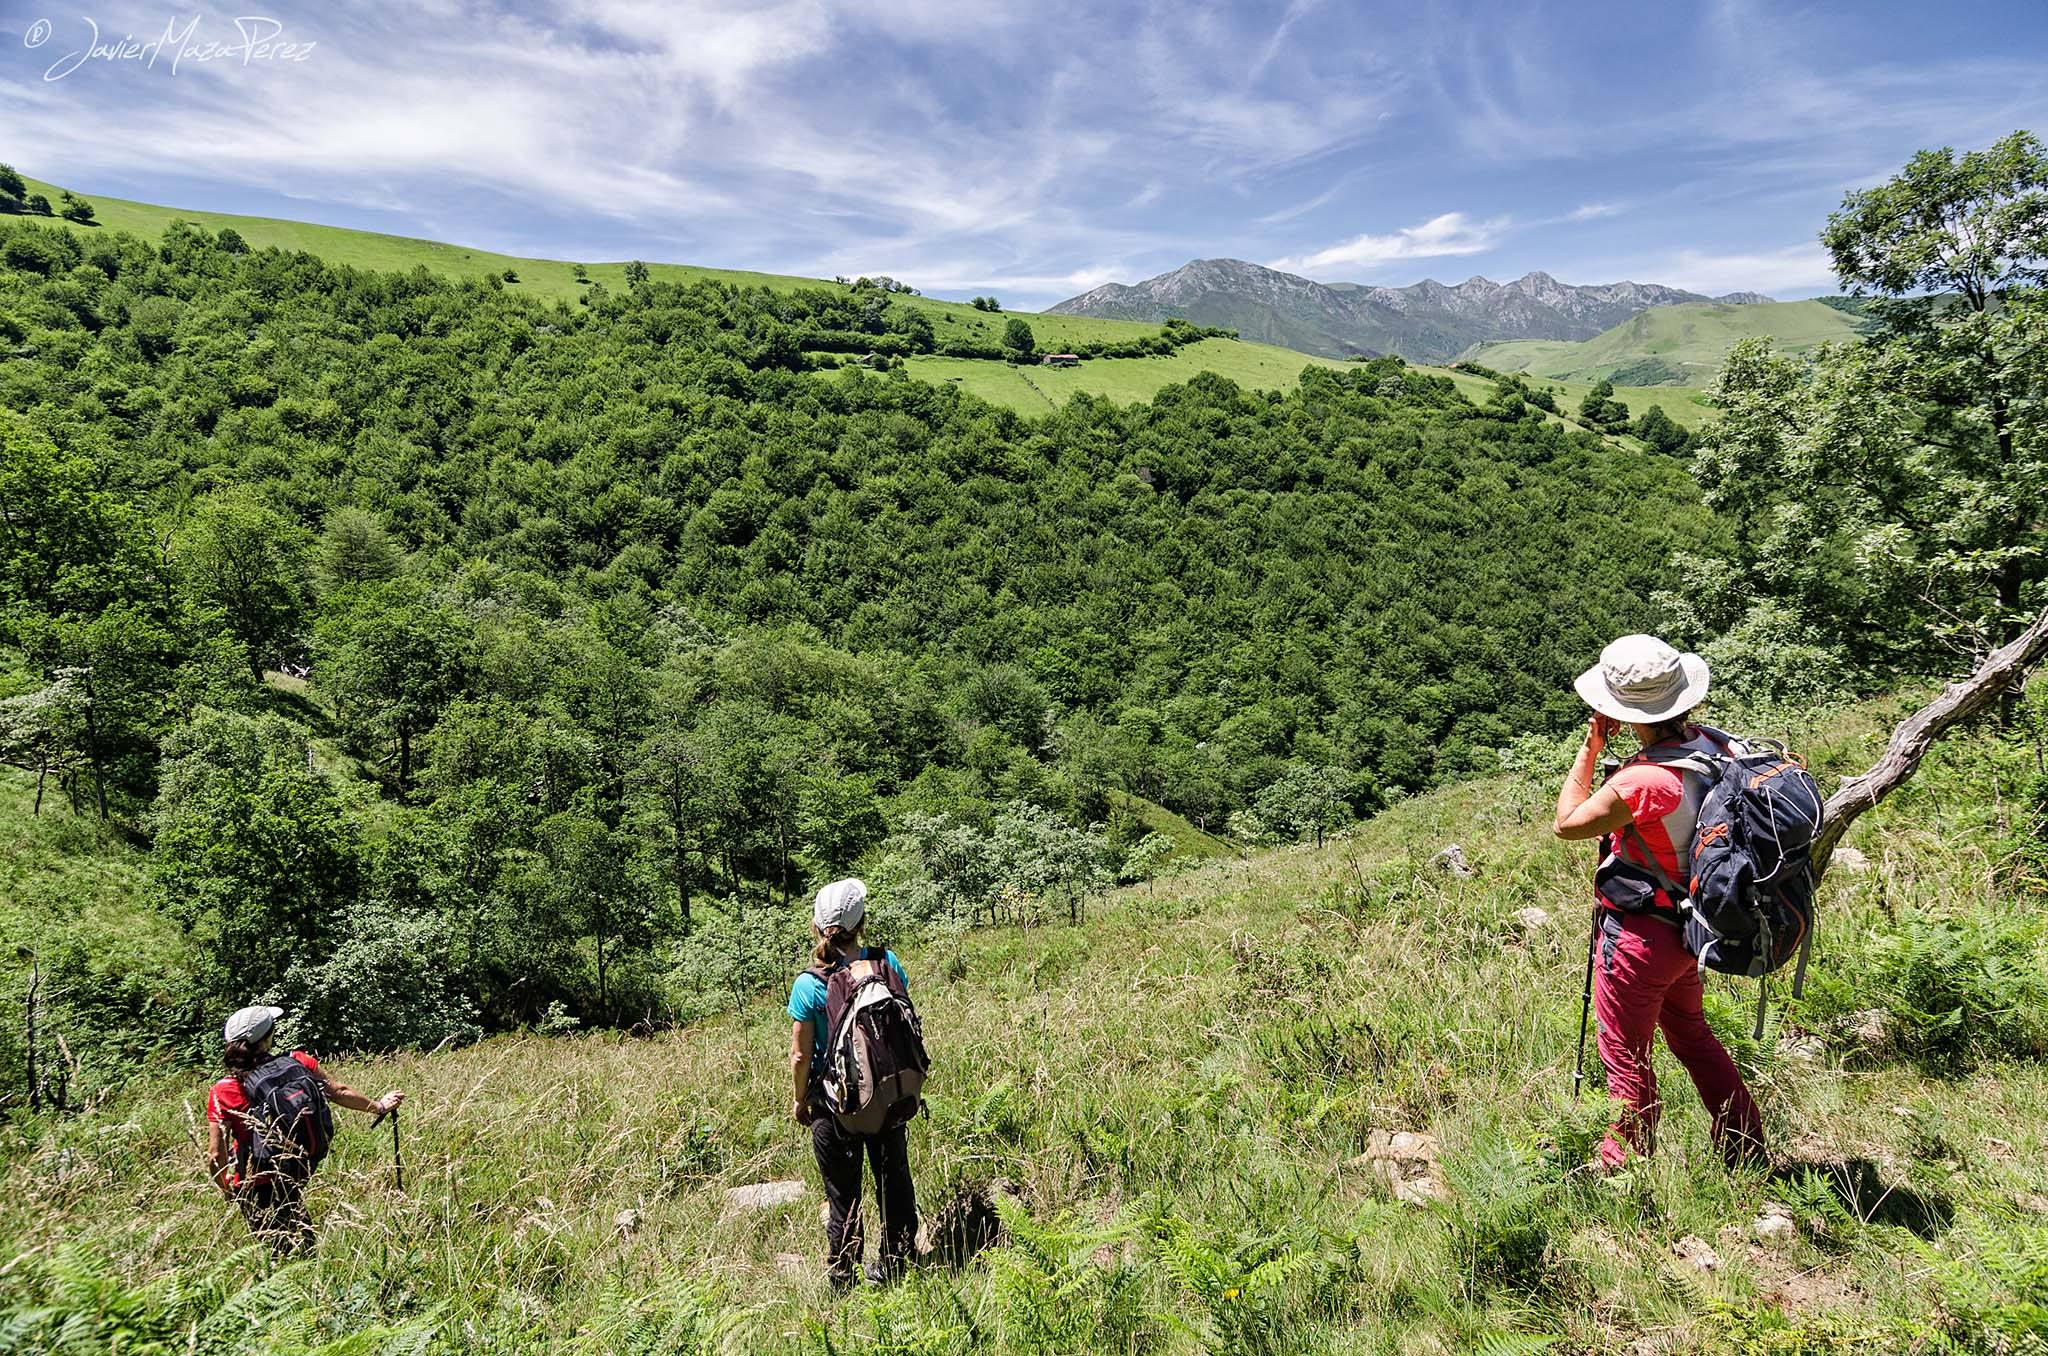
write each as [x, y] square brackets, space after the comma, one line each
[785, 136]
[1592, 210]
[1453, 233]
[1791, 269]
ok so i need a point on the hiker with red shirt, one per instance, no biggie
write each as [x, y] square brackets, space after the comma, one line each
[274, 1203]
[1645, 815]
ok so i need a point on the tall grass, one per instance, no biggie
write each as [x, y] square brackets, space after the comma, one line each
[1178, 1089]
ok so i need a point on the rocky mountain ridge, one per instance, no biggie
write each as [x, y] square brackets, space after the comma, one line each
[1427, 321]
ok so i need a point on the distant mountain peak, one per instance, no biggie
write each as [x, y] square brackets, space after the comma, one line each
[1428, 321]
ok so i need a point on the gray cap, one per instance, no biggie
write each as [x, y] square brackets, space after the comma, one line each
[251, 1024]
[842, 904]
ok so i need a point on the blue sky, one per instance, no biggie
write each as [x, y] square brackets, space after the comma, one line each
[1036, 149]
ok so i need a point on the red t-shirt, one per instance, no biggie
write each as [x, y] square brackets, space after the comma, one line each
[1651, 791]
[226, 1100]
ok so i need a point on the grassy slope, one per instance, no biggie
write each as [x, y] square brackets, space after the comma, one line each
[1034, 390]
[1031, 391]
[1693, 338]
[1219, 1048]
[551, 279]
[1190, 844]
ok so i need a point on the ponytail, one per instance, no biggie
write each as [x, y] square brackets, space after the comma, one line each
[832, 941]
[240, 1056]
[1674, 728]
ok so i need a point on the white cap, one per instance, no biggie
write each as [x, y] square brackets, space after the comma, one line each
[1640, 678]
[251, 1024]
[842, 904]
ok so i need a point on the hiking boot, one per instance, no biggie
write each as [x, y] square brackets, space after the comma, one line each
[883, 1272]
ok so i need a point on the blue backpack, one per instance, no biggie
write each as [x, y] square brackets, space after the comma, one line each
[1747, 903]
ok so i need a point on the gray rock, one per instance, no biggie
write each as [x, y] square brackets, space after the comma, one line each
[1848, 859]
[1775, 1226]
[1533, 919]
[1697, 1253]
[1407, 1163]
[764, 1195]
[1870, 1028]
[1452, 860]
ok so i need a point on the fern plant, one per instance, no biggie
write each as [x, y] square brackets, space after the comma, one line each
[1059, 1293]
[75, 1302]
[1994, 1289]
[1963, 990]
[1245, 1287]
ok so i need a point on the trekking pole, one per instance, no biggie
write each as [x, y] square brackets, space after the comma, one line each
[1607, 767]
[1586, 1006]
[397, 1158]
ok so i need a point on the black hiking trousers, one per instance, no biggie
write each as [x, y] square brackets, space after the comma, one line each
[276, 1210]
[839, 1154]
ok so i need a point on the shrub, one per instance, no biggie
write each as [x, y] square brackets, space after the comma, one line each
[1056, 1296]
[1994, 1288]
[389, 984]
[1648, 372]
[1500, 1218]
[1955, 991]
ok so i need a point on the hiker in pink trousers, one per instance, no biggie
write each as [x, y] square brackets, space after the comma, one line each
[1645, 980]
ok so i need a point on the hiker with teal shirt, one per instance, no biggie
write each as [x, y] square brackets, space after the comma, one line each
[847, 977]
[1644, 977]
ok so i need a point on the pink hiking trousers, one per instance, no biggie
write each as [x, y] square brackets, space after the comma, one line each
[1646, 980]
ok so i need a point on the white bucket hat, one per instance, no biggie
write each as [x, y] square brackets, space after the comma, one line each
[842, 904]
[1640, 678]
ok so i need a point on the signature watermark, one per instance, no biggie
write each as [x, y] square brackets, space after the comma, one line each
[255, 38]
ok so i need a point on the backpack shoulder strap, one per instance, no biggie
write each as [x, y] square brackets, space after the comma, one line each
[1678, 893]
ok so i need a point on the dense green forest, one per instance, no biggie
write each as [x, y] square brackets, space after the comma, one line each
[630, 623]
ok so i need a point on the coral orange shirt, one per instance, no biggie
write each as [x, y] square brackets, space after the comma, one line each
[1651, 791]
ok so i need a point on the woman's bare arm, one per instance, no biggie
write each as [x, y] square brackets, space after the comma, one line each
[800, 1071]
[341, 1094]
[1583, 812]
[217, 1156]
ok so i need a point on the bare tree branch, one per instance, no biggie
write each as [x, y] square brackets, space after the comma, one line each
[1999, 673]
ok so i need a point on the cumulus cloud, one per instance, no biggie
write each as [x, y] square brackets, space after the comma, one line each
[1453, 233]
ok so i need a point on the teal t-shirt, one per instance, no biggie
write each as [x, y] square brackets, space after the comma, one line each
[807, 999]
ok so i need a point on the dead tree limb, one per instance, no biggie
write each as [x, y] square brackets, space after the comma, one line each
[2003, 670]
[28, 1008]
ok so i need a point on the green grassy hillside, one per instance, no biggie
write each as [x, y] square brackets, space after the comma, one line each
[1689, 341]
[1685, 404]
[1034, 390]
[555, 279]
[1027, 390]
[1180, 1090]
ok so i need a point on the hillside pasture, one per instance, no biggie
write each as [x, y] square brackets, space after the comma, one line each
[1690, 340]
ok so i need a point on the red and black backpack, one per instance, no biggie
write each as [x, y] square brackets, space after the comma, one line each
[290, 1125]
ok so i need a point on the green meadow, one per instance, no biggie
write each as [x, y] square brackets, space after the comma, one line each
[549, 279]
[1689, 340]
[1176, 1097]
